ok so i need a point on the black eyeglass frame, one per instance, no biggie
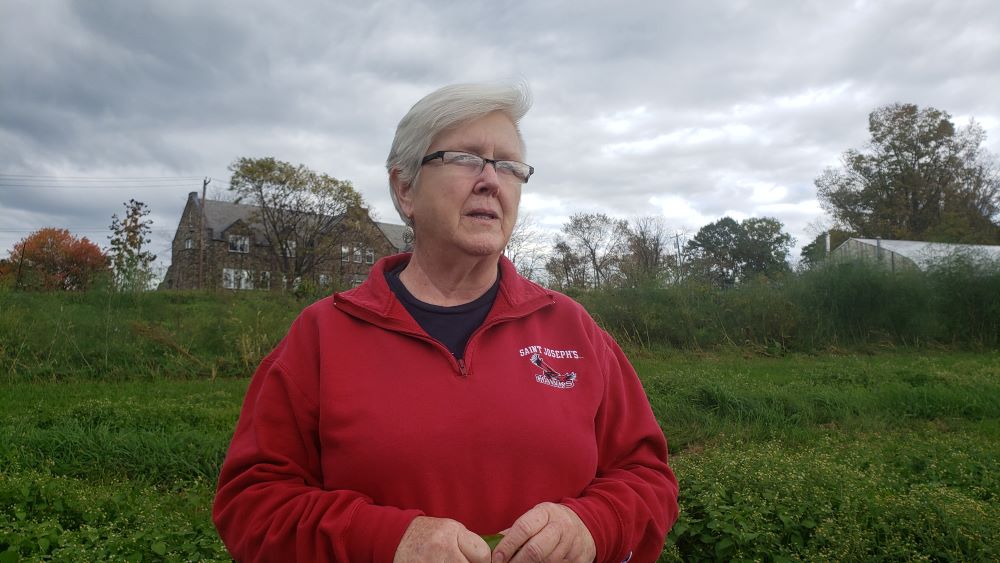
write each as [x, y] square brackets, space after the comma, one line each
[440, 154]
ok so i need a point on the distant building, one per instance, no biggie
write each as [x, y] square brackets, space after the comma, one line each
[901, 255]
[237, 255]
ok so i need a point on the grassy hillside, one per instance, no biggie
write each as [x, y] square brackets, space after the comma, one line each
[108, 336]
[111, 336]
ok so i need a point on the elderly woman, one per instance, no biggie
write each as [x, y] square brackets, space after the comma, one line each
[448, 397]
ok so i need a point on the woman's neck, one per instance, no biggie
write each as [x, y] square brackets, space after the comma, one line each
[442, 280]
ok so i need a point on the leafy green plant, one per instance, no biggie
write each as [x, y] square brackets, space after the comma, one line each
[492, 540]
[798, 457]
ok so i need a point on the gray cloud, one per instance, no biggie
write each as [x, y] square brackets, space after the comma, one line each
[688, 109]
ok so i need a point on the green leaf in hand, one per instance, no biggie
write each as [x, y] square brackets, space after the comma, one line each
[492, 540]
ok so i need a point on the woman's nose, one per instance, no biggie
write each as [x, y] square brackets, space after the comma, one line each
[488, 181]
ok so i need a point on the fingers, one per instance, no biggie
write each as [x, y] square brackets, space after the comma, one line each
[440, 540]
[547, 532]
[473, 547]
[529, 524]
[546, 545]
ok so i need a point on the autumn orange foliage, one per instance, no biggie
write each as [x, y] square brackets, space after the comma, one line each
[52, 259]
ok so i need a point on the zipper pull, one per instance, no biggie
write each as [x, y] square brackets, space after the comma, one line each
[461, 367]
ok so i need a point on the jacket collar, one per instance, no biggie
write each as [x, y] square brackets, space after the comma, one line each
[374, 302]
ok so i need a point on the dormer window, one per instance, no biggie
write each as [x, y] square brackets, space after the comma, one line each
[239, 243]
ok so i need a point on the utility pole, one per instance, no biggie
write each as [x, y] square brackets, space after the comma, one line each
[20, 265]
[201, 235]
[677, 245]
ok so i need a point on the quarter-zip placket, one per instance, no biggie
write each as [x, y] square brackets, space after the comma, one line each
[463, 366]
[460, 365]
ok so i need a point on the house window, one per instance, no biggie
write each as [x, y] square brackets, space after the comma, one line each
[188, 244]
[239, 243]
[264, 280]
[345, 253]
[324, 280]
[357, 254]
[369, 256]
[290, 248]
[233, 278]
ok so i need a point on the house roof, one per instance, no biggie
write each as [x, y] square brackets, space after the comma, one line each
[397, 234]
[924, 254]
[220, 215]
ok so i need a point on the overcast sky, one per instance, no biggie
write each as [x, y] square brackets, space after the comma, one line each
[689, 110]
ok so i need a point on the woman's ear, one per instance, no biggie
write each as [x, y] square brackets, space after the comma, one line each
[403, 191]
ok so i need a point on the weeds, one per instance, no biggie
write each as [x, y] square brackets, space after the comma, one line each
[106, 336]
[855, 305]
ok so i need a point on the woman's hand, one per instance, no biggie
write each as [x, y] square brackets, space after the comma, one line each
[440, 539]
[547, 532]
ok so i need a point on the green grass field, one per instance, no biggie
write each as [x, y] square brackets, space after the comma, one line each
[890, 457]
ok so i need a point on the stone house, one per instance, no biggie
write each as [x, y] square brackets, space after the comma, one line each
[237, 255]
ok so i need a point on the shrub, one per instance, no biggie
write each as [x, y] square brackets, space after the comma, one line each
[855, 305]
[831, 501]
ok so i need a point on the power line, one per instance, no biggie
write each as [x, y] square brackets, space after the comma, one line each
[102, 179]
[41, 181]
[84, 187]
[86, 230]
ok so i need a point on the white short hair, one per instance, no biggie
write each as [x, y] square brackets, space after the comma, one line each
[446, 108]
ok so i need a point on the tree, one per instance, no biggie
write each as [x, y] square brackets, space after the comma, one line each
[53, 259]
[646, 256]
[132, 265]
[526, 247]
[726, 252]
[763, 248]
[599, 241]
[919, 178]
[710, 253]
[298, 211]
[565, 269]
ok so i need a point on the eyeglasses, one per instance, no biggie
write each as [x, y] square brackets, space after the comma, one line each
[473, 165]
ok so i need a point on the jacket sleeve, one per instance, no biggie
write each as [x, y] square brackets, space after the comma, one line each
[631, 504]
[270, 504]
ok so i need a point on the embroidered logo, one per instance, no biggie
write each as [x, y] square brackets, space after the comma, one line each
[550, 376]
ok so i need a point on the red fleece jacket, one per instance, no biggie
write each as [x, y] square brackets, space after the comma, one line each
[358, 422]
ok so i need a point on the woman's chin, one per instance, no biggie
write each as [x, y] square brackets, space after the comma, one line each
[482, 246]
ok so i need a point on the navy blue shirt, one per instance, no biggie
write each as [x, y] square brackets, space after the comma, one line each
[451, 326]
